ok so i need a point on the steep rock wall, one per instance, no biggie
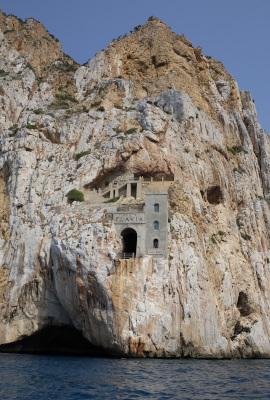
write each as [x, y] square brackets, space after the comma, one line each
[188, 119]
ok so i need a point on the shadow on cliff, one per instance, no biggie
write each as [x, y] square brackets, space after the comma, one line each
[60, 340]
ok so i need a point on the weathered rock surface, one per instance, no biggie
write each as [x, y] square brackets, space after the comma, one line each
[211, 298]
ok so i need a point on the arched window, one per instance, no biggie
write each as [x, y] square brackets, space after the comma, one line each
[156, 225]
[156, 207]
[155, 243]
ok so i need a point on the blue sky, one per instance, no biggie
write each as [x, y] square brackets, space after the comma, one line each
[236, 32]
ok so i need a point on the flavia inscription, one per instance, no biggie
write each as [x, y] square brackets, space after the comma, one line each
[124, 218]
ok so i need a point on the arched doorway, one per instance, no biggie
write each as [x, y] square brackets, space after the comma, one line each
[129, 236]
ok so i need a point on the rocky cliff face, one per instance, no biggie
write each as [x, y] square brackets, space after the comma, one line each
[150, 104]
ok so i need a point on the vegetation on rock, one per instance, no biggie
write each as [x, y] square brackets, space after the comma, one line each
[74, 195]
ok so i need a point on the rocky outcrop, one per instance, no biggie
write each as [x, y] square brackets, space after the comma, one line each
[151, 105]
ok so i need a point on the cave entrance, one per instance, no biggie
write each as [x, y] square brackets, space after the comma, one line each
[129, 236]
[214, 195]
[55, 340]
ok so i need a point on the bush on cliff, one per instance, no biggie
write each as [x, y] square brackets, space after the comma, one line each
[74, 195]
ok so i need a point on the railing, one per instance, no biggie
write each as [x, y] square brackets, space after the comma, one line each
[125, 256]
[156, 191]
[118, 184]
[147, 179]
[130, 207]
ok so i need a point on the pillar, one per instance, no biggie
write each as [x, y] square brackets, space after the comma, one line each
[139, 190]
[128, 189]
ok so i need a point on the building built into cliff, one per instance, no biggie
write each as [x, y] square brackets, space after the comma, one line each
[143, 225]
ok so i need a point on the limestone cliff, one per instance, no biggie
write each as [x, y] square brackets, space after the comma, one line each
[151, 104]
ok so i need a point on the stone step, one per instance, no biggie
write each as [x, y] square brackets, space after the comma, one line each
[93, 197]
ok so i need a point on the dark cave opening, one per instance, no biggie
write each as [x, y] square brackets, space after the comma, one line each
[243, 305]
[214, 195]
[59, 340]
[129, 236]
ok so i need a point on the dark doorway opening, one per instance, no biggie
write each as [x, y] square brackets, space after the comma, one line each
[155, 244]
[129, 236]
[134, 190]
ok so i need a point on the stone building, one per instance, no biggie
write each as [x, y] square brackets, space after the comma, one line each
[139, 209]
[143, 227]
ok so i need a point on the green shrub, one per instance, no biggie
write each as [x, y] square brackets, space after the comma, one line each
[14, 129]
[38, 111]
[64, 65]
[40, 79]
[112, 200]
[238, 170]
[213, 240]
[30, 67]
[118, 107]
[82, 154]
[221, 233]
[3, 72]
[259, 197]
[245, 236]
[50, 158]
[117, 130]
[101, 109]
[84, 110]
[96, 104]
[58, 106]
[235, 149]
[29, 126]
[80, 110]
[9, 31]
[66, 96]
[74, 195]
[131, 130]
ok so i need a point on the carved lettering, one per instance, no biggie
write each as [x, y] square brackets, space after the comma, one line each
[127, 218]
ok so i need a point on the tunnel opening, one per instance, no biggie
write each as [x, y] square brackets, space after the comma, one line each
[58, 340]
[129, 237]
